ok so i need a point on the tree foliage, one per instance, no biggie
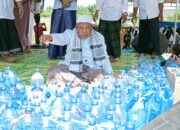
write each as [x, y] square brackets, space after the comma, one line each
[89, 10]
[171, 17]
[47, 12]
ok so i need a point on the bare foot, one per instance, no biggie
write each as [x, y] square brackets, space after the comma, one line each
[8, 58]
[27, 49]
[153, 55]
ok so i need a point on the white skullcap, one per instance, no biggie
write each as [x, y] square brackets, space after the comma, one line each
[84, 19]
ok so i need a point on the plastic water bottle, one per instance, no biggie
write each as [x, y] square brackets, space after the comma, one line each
[96, 110]
[8, 116]
[9, 77]
[14, 93]
[67, 96]
[47, 92]
[89, 118]
[52, 87]
[83, 98]
[57, 107]
[47, 123]
[12, 77]
[166, 96]
[142, 63]
[4, 95]
[76, 111]
[137, 115]
[37, 80]
[27, 121]
[108, 123]
[67, 124]
[21, 89]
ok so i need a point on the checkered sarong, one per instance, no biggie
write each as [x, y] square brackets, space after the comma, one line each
[111, 32]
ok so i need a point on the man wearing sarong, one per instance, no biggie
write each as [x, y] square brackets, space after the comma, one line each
[86, 59]
[150, 11]
[9, 39]
[113, 12]
[63, 17]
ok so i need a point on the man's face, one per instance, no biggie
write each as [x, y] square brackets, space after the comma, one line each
[66, 3]
[84, 30]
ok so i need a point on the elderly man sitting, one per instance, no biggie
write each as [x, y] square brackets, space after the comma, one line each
[86, 59]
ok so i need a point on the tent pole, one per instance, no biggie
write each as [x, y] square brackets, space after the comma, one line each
[175, 22]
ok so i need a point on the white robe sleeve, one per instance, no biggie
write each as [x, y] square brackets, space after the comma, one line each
[62, 39]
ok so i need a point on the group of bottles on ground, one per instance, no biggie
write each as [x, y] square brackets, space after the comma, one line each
[128, 102]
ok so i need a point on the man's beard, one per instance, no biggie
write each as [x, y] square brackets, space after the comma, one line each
[84, 37]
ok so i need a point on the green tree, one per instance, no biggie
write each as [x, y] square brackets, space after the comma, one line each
[89, 10]
[47, 12]
[171, 17]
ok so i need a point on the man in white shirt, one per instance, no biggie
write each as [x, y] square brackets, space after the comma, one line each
[150, 11]
[112, 13]
[86, 58]
[9, 39]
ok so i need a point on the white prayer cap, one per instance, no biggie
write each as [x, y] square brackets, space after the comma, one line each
[84, 19]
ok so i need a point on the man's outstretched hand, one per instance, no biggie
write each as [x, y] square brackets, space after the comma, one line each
[45, 38]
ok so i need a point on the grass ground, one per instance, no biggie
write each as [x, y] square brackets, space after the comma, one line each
[38, 58]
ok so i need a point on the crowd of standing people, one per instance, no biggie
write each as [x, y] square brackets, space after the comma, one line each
[15, 14]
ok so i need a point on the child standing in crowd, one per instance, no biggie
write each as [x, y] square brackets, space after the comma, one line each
[38, 28]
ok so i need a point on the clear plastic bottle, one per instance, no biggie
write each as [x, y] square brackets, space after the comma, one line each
[37, 80]
[67, 96]
[83, 98]
[8, 116]
[108, 123]
[48, 123]
[76, 111]
[57, 107]
[4, 95]
[27, 121]
[96, 110]
[67, 124]
[89, 117]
